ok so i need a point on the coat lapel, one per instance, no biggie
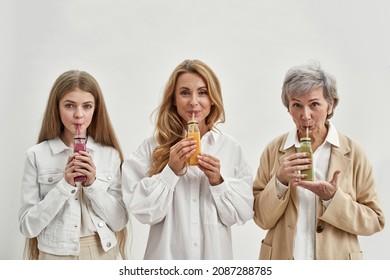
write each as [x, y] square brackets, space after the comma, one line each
[339, 159]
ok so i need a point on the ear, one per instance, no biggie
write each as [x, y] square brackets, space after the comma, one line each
[330, 108]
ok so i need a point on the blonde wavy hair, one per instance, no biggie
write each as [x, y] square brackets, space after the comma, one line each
[100, 130]
[170, 127]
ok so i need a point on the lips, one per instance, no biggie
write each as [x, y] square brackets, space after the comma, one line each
[195, 113]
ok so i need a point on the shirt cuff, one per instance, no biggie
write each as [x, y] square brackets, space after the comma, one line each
[280, 188]
[326, 202]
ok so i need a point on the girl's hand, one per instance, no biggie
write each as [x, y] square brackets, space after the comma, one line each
[84, 166]
[211, 167]
[180, 153]
[80, 164]
[291, 166]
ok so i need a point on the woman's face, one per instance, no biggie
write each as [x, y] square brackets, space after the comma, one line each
[310, 111]
[76, 111]
[192, 98]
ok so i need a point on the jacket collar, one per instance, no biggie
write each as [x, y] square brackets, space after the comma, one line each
[332, 137]
[57, 146]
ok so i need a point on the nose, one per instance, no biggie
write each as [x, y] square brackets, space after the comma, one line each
[194, 100]
[306, 113]
[79, 113]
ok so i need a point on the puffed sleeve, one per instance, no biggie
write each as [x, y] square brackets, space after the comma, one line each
[234, 197]
[148, 198]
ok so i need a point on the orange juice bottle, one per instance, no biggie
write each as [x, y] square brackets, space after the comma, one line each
[193, 130]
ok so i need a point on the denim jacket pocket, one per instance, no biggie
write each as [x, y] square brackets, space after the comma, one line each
[47, 180]
[106, 177]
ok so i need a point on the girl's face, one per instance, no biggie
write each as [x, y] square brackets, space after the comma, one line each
[310, 111]
[192, 98]
[76, 112]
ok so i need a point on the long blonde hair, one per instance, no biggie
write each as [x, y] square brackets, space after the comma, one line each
[100, 130]
[169, 125]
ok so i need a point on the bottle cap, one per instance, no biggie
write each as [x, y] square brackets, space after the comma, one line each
[79, 137]
[305, 139]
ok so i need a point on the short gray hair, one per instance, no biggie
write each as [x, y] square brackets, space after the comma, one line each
[300, 80]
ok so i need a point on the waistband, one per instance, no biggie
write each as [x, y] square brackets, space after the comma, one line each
[90, 240]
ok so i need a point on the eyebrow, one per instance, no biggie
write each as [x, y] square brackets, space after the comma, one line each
[204, 87]
[311, 100]
[71, 101]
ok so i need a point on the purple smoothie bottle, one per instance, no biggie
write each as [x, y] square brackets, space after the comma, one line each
[79, 145]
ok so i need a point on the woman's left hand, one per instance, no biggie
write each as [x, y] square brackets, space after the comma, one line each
[211, 167]
[323, 189]
[84, 164]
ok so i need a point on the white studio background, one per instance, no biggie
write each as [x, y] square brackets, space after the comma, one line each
[131, 47]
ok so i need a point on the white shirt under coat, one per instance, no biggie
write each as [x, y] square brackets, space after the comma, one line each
[189, 218]
[304, 243]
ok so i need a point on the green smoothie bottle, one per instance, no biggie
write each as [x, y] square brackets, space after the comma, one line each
[306, 148]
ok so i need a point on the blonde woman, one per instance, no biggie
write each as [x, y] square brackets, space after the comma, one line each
[62, 219]
[190, 208]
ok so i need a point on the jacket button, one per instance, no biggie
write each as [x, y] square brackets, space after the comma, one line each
[100, 224]
[109, 178]
[73, 191]
[108, 244]
[320, 228]
[50, 179]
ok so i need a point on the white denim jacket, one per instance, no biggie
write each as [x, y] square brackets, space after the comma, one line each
[50, 207]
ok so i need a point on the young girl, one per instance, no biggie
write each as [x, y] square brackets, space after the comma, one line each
[190, 208]
[63, 218]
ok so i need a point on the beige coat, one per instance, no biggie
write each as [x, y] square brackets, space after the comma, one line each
[354, 209]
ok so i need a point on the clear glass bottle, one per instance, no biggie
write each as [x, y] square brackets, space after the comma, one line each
[306, 148]
[193, 130]
[80, 145]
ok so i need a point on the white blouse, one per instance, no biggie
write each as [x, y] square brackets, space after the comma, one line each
[189, 218]
[304, 243]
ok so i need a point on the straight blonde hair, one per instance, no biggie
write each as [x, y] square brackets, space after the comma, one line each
[100, 130]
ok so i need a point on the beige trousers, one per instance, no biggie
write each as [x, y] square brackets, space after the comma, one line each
[90, 249]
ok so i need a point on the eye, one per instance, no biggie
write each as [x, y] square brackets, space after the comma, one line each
[88, 106]
[296, 105]
[203, 92]
[184, 92]
[69, 105]
[315, 104]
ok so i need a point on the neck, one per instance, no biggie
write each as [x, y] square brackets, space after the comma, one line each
[67, 139]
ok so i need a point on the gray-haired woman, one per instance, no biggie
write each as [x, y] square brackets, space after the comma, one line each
[319, 219]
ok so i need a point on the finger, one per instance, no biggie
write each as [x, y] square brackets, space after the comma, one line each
[207, 156]
[84, 165]
[335, 178]
[297, 156]
[70, 158]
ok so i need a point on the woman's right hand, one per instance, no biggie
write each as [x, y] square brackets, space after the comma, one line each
[180, 153]
[291, 167]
